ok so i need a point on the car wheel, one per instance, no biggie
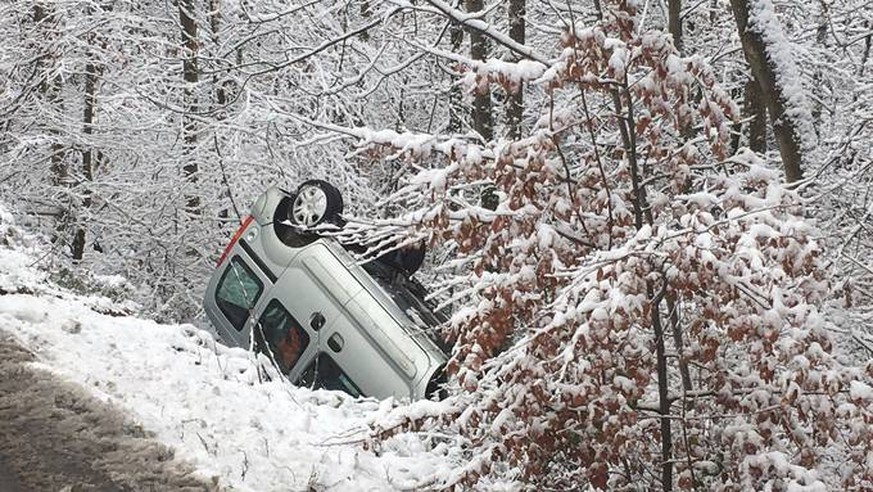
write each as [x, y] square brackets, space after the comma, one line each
[411, 258]
[316, 202]
[405, 260]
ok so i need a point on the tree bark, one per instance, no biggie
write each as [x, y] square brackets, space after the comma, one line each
[821, 38]
[456, 109]
[754, 107]
[674, 22]
[483, 121]
[663, 390]
[49, 90]
[773, 94]
[214, 27]
[515, 101]
[89, 159]
[643, 215]
[190, 75]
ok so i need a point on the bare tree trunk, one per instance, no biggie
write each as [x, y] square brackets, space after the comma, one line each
[483, 121]
[456, 37]
[49, 88]
[215, 27]
[821, 38]
[674, 22]
[754, 107]
[190, 74]
[663, 389]
[220, 95]
[515, 101]
[643, 215]
[764, 69]
[89, 159]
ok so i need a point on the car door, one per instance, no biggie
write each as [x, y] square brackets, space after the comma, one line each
[313, 290]
[360, 358]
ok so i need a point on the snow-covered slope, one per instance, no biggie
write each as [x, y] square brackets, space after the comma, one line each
[201, 398]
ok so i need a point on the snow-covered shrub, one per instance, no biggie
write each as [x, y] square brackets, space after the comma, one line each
[639, 311]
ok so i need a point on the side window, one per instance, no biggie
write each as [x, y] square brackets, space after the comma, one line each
[324, 373]
[285, 337]
[238, 291]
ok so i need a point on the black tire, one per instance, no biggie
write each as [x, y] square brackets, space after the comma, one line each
[405, 260]
[316, 202]
[411, 258]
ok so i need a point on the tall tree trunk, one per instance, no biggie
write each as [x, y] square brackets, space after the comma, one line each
[49, 88]
[515, 101]
[754, 107]
[663, 389]
[643, 215]
[89, 157]
[764, 68]
[190, 74]
[214, 28]
[456, 112]
[674, 22]
[220, 96]
[821, 39]
[483, 121]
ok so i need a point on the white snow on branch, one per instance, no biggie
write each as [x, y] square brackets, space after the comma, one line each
[488, 30]
[763, 20]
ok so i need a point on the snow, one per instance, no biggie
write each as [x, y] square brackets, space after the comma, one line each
[799, 479]
[860, 391]
[205, 400]
[618, 63]
[520, 71]
[763, 20]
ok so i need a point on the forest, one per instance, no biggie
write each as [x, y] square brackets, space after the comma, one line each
[649, 222]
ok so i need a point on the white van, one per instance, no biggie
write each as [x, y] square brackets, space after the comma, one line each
[323, 319]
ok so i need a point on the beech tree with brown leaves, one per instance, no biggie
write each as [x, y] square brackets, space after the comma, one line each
[639, 311]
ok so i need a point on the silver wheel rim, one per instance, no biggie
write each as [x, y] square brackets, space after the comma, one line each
[310, 206]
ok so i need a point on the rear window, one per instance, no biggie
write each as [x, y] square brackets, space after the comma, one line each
[285, 337]
[237, 292]
[324, 373]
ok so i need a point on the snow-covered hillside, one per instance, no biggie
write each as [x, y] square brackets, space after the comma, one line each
[204, 400]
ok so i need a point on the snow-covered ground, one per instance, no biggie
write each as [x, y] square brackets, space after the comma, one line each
[202, 399]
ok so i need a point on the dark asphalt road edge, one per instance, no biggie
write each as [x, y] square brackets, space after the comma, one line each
[55, 436]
